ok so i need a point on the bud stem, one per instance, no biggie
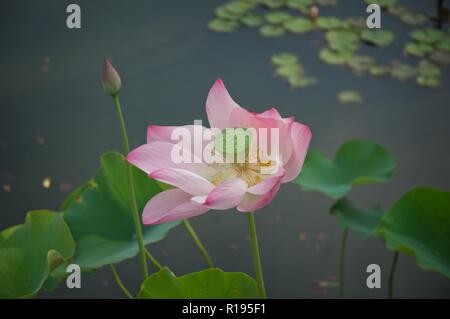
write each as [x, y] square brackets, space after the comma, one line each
[255, 255]
[137, 223]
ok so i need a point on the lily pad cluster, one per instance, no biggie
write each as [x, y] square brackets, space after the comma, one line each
[417, 224]
[275, 18]
[93, 229]
[288, 68]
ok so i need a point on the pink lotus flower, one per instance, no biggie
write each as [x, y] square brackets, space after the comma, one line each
[199, 186]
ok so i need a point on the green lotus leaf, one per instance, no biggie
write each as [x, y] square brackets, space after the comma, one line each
[224, 14]
[277, 17]
[335, 57]
[326, 3]
[429, 69]
[430, 36]
[100, 217]
[428, 81]
[397, 9]
[363, 222]
[356, 163]
[328, 23]
[444, 43]
[239, 7]
[299, 4]
[349, 97]
[413, 19]
[288, 70]
[380, 38]
[252, 20]
[440, 57]
[270, 30]
[212, 283]
[342, 40]
[299, 25]
[30, 252]
[273, 4]
[419, 224]
[284, 58]
[417, 50]
[361, 63]
[221, 25]
[379, 70]
[355, 23]
[300, 81]
[382, 3]
[401, 71]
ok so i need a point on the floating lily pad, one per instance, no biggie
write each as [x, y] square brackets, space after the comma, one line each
[428, 74]
[355, 163]
[414, 19]
[440, 57]
[342, 40]
[401, 71]
[207, 284]
[382, 3]
[100, 215]
[270, 30]
[355, 23]
[379, 70]
[252, 20]
[417, 50]
[360, 63]
[224, 14]
[363, 222]
[273, 4]
[430, 36]
[299, 25]
[290, 69]
[284, 58]
[444, 43]
[380, 38]
[221, 25]
[419, 224]
[326, 3]
[239, 7]
[299, 4]
[335, 57]
[29, 253]
[349, 97]
[328, 23]
[277, 17]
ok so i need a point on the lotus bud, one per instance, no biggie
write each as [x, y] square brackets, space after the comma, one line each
[314, 12]
[110, 79]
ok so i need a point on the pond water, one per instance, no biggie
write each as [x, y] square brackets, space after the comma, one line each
[55, 121]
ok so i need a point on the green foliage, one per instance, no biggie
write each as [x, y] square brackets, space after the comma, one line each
[207, 284]
[289, 68]
[419, 224]
[356, 163]
[29, 253]
[380, 38]
[270, 30]
[349, 97]
[100, 216]
[299, 25]
[363, 222]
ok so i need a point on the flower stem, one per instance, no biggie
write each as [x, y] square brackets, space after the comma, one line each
[255, 255]
[120, 283]
[391, 275]
[342, 263]
[153, 260]
[197, 241]
[137, 223]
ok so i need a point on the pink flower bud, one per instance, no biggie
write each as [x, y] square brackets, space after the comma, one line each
[314, 12]
[110, 79]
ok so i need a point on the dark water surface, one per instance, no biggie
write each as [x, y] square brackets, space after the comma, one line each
[168, 60]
